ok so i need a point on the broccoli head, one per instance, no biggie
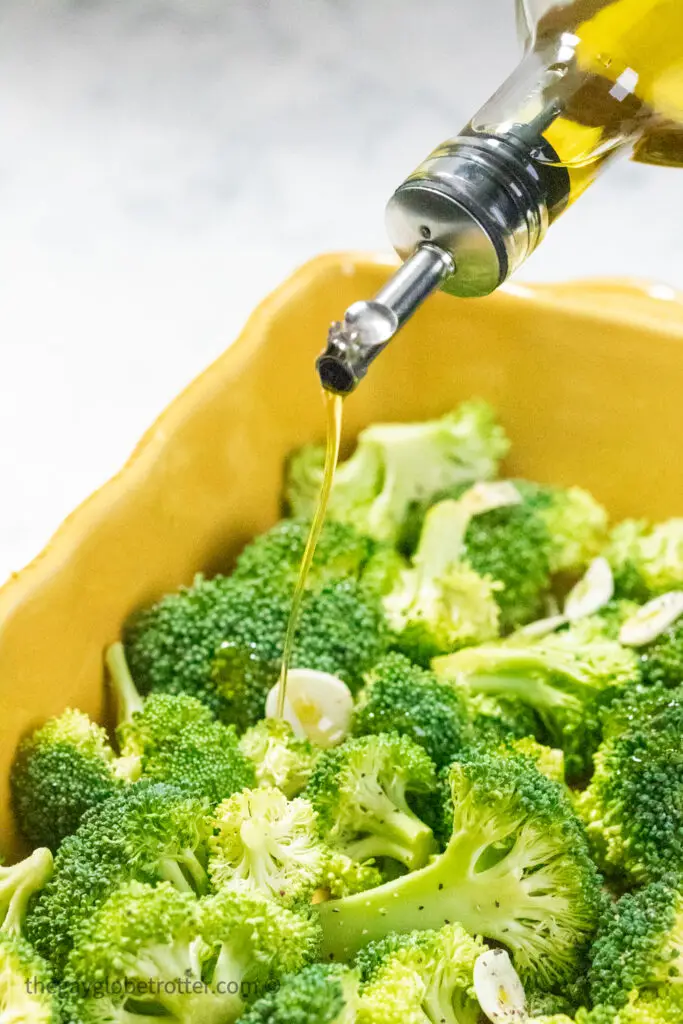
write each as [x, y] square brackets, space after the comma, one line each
[639, 945]
[664, 1006]
[401, 697]
[18, 884]
[548, 760]
[319, 994]
[565, 682]
[221, 640]
[152, 951]
[266, 842]
[516, 869]
[176, 739]
[440, 603]
[499, 720]
[421, 975]
[59, 772]
[646, 560]
[395, 465]
[341, 552]
[27, 991]
[633, 806]
[576, 523]
[280, 759]
[152, 832]
[361, 790]
[661, 661]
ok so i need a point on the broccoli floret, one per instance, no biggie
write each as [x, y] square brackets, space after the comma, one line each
[152, 832]
[319, 994]
[395, 465]
[59, 772]
[576, 523]
[341, 631]
[646, 560]
[516, 869]
[604, 624]
[495, 721]
[341, 551]
[27, 991]
[661, 662]
[280, 759]
[18, 883]
[221, 640]
[423, 975]
[360, 791]
[401, 697]
[343, 876]
[176, 739]
[639, 946]
[565, 682]
[633, 806]
[548, 760]
[152, 951]
[266, 842]
[662, 1007]
[440, 603]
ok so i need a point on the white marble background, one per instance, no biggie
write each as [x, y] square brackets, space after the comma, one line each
[164, 163]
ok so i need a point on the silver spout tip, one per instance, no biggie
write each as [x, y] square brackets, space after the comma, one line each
[334, 375]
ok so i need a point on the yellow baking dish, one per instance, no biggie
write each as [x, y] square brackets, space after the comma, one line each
[588, 378]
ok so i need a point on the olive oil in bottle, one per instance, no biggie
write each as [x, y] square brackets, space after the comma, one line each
[333, 408]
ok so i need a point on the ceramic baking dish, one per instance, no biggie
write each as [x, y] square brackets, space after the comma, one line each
[588, 379]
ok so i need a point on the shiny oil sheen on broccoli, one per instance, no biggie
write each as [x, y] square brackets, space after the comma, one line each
[516, 869]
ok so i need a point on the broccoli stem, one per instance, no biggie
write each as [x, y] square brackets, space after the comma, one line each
[442, 540]
[177, 870]
[388, 828]
[17, 885]
[456, 886]
[128, 700]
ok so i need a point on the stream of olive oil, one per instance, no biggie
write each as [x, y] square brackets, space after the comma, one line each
[333, 409]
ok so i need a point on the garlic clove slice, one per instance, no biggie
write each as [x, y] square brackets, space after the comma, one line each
[318, 706]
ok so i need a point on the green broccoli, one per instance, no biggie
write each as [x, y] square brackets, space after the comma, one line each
[662, 1007]
[548, 760]
[401, 697]
[495, 721]
[341, 552]
[27, 990]
[151, 832]
[59, 772]
[522, 545]
[153, 952]
[646, 560]
[221, 640]
[639, 945]
[360, 791]
[343, 876]
[395, 465]
[604, 624]
[266, 842]
[661, 661]
[565, 682]
[319, 994]
[176, 739]
[516, 869]
[280, 759]
[18, 884]
[440, 603]
[633, 806]
[422, 975]
[577, 524]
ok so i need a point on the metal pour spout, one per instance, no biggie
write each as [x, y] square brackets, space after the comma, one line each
[368, 326]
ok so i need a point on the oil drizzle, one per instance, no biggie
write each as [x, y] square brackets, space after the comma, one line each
[333, 409]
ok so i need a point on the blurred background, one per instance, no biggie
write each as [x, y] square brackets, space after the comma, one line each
[165, 163]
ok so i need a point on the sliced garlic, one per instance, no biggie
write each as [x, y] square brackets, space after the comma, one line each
[498, 988]
[483, 497]
[542, 627]
[592, 592]
[318, 706]
[652, 619]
